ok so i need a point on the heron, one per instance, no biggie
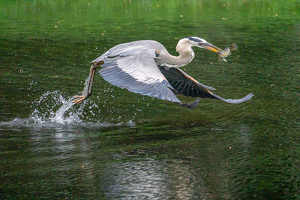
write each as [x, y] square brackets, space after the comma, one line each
[147, 68]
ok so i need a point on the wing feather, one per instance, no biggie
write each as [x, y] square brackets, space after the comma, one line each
[188, 86]
[132, 66]
[136, 70]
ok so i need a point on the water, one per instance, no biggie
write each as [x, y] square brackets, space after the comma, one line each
[120, 145]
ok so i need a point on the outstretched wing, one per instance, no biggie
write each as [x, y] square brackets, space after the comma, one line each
[134, 68]
[188, 86]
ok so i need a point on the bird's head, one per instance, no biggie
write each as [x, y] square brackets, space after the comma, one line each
[189, 42]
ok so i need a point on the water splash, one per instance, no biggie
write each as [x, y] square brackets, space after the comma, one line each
[58, 109]
[59, 114]
[52, 107]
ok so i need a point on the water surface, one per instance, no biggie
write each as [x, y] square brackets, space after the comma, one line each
[120, 145]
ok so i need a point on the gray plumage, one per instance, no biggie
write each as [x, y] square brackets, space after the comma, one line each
[147, 68]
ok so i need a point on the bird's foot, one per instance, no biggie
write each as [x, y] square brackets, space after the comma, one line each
[79, 99]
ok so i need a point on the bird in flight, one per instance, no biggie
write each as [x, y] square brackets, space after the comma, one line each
[147, 68]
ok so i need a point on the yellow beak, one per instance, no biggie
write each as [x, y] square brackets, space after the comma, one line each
[210, 47]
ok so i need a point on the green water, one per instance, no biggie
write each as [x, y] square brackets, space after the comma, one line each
[121, 145]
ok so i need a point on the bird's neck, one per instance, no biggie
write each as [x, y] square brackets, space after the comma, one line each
[184, 58]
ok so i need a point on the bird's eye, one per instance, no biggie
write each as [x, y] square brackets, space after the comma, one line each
[156, 53]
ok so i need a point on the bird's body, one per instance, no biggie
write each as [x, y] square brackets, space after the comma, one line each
[146, 67]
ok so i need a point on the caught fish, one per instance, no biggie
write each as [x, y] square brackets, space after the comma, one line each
[226, 52]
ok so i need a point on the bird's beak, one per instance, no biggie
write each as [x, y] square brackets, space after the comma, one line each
[210, 47]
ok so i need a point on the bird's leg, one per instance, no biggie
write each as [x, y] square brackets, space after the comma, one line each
[191, 104]
[90, 82]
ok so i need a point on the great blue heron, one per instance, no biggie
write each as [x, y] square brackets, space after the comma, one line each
[146, 67]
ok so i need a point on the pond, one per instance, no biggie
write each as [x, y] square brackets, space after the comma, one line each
[122, 145]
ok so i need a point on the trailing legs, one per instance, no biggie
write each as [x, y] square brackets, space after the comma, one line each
[90, 82]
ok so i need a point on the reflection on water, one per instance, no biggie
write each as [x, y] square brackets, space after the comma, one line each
[87, 162]
[152, 179]
[125, 163]
[137, 180]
